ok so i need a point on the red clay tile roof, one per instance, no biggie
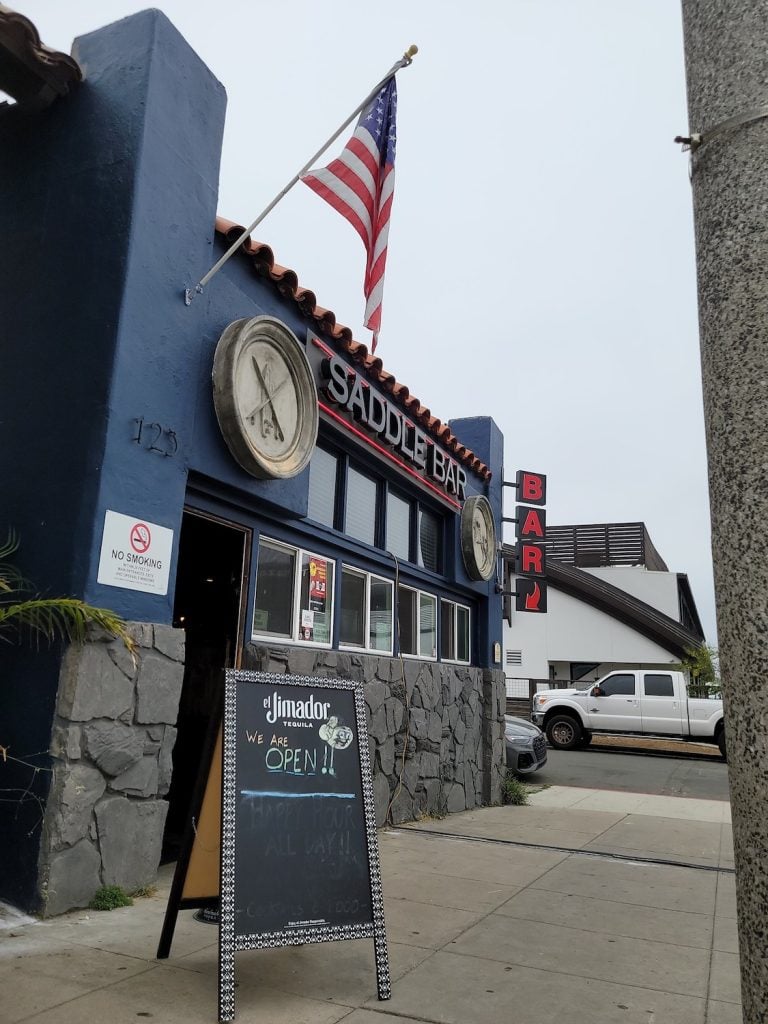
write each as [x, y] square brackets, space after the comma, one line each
[32, 73]
[324, 321]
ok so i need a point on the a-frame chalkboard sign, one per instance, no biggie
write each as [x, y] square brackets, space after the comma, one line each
[299, 851]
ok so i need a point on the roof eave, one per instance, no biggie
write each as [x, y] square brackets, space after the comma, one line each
[625, 608]
[324, 322]
[32, 73]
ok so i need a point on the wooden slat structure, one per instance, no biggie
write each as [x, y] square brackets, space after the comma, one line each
[596, 544]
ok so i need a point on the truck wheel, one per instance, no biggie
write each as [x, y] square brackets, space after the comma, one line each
[720, 740]
[563, 732]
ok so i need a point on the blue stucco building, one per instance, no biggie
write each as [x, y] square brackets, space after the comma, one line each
[121, 476]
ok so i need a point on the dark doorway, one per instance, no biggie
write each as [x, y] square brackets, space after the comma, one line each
[208, 607]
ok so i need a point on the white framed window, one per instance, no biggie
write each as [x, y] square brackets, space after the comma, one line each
[366, 611]
[323, 480]
[361, 511]
[417, 623]
[430, 550]
[398, 532]
[294, 595]
[454, 632]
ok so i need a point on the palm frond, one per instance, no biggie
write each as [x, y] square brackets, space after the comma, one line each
[52, 617]
[9, 546]
[62, 617]
[11, 580]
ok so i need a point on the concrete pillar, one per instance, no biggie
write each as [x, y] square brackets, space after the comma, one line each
[726, 44]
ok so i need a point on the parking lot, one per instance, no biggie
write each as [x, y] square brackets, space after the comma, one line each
[637, 770]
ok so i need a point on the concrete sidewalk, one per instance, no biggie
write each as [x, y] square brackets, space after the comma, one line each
[585, 906]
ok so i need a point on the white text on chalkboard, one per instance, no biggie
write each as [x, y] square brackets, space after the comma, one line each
[279, 707]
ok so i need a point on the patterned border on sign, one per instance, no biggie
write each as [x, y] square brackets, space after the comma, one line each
[227, 920]
[228, 942]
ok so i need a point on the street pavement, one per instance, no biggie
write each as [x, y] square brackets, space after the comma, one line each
[583, 906]
[597, 767]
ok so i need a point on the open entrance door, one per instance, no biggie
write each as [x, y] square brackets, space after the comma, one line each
[209, 604]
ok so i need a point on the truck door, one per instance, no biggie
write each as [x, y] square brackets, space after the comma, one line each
[661, 706]
[618, 709]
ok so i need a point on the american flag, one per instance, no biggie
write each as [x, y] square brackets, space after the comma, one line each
[359, 184]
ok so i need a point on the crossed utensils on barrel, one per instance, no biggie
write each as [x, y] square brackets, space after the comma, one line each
[273, 421]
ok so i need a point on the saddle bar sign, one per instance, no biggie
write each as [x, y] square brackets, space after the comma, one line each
[352, 402]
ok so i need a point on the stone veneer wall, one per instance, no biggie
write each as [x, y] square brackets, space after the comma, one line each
[436, 735]
[112, 741]
[436, 731]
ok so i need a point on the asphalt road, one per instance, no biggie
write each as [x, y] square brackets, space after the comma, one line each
[635, 773]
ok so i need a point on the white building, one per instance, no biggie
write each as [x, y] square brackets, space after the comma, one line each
[611, 603]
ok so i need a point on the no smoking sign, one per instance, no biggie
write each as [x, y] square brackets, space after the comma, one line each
[135, 555]
[141, 538]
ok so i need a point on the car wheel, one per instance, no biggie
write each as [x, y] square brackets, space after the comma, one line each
[721, 744]
[563, 732]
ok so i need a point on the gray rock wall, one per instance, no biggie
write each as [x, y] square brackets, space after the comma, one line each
[113, 736]
[436, 731]
[436, 737]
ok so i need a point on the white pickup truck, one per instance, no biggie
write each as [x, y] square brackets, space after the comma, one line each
[654, 703]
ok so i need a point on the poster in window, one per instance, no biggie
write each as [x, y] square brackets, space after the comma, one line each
[307, 624]
[318, 584]
[321, 632]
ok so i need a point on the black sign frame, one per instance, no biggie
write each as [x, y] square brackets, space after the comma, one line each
[229, 941]
[529, 587]
[522, 515]
[524, 546]
[522, 476]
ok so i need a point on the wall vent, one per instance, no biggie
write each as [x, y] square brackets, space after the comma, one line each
[514, 657]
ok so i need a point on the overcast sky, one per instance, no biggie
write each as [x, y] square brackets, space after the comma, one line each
[541, 260]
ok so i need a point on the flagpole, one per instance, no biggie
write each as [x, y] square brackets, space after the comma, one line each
[405, 60]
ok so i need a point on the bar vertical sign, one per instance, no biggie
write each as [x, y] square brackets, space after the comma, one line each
[530, 534]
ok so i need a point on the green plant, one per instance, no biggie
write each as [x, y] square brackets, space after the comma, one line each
[513, 791]
[48, 617]
[702, 664]
[144, 892]
[436, 815]
[109, 897]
